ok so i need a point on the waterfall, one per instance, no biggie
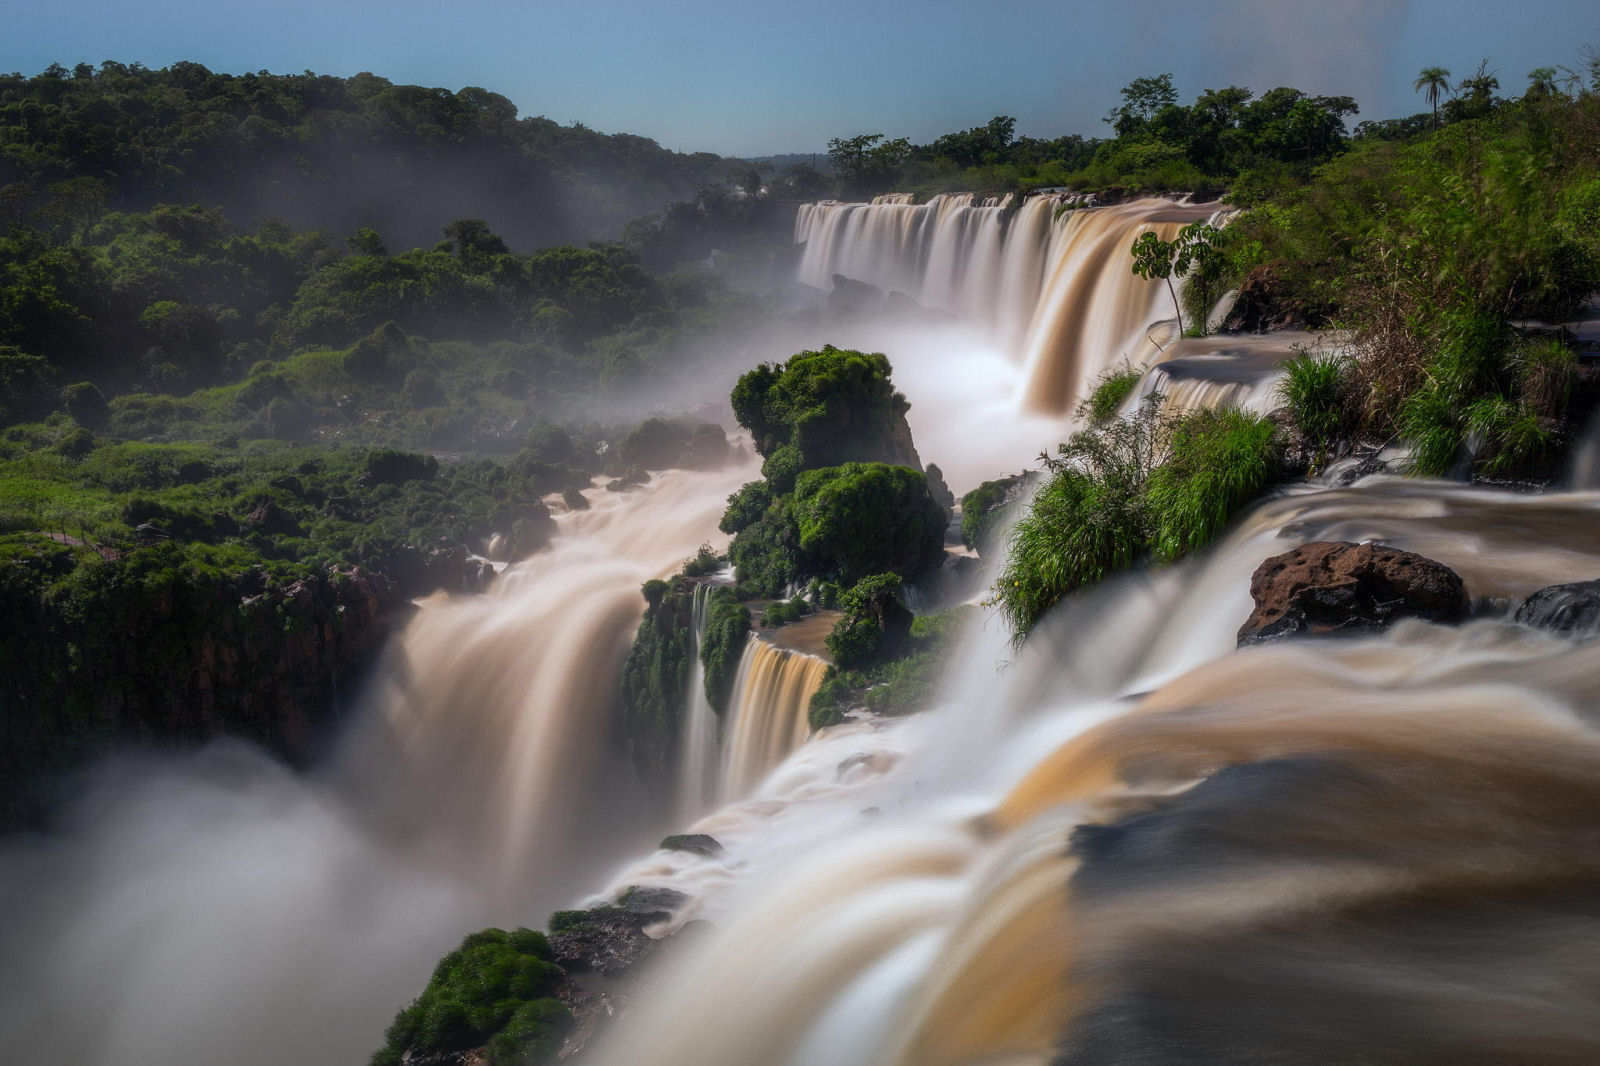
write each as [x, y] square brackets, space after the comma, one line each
[697, 759]
[218, 907]
[773, 690]
[1052, 286]
[1398, 831]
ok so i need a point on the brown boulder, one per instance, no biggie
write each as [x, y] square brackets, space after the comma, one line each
[1336, 586]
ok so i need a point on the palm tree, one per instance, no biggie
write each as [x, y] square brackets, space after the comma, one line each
[1434, 82]
[1542, 81]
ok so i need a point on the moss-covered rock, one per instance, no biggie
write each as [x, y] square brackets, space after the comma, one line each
[875, 623]
[833, 406]
[722, 644]
[655, 676]
[867, 518]
[496, 991]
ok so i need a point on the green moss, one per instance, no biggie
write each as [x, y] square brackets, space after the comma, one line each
[655, 676]
[874, 626]
[867, 518]
[905, 684]
[496, 990]
[722, 645]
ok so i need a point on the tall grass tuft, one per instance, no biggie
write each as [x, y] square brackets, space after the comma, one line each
[1220, 461]
[1149, 485]
[1110, 392]
[1316, 389]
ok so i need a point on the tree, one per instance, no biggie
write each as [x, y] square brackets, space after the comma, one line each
[1142, 100]
[866, 163]
[1194, 246]
[1542, 82]
[1433, 82]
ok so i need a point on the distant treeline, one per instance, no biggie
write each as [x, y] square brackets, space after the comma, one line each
[322, 152]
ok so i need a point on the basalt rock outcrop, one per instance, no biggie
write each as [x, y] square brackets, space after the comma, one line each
[1339, 587]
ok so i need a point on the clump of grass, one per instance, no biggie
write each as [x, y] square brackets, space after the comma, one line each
[1315, 390]
[1110, 392]
[1220, 460]
[1154, 484]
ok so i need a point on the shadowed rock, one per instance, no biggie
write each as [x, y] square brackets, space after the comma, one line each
[1571, 608]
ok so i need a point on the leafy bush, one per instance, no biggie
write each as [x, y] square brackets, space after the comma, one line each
[984, 510]
[782, 612]
[387, 466]
[655, 676]
[902, 684]
[1219, 460]
[1315, 390]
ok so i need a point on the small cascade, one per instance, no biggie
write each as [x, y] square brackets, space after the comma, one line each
[1054, 287]
[697, 757]
[768, 717]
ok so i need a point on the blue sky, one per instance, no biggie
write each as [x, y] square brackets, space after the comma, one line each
[759, 77]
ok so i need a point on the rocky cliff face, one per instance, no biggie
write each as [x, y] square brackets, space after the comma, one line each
[152, 651]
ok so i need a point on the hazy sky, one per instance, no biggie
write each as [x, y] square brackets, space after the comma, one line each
[758, 77]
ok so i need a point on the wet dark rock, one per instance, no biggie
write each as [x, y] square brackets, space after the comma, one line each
[698, 843]
[454, 570]
[652, 903]
[1340, 587]
[610, 940]
[1570, 608]
[854, 299]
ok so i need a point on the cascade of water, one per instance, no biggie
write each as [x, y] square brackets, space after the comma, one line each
[773, 691]
[189, 905]
[1056, 291]
[924, 882]
[697, 760]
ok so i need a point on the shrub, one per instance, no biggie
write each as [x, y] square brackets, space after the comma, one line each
[86, 404]
[1219, 461]
[833, 405]
[705, 561]
[387, 466]
[983, 510]
[655, 676]
[656, 444]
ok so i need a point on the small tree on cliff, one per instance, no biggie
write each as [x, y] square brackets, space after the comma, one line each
[1194, 246]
